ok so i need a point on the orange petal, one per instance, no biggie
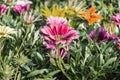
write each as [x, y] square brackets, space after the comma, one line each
[92, 10]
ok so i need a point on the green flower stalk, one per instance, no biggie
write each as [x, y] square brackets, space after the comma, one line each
[119, 5]
[59, 63]
[28, 28]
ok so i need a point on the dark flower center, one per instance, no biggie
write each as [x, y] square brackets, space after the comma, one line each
[1, 33]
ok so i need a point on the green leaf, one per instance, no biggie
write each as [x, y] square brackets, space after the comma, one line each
[51, 74]
[39, 56]
[110, 61]
[107, 46]
[53, 61]
[36, 72]
[19, 76]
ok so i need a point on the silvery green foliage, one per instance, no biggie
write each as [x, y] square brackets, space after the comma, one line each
[86, 59]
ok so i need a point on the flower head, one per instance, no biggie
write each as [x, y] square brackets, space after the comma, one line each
[56, 21]
[56, 11]
[59, 34]
[91, 16]
[23, 5]
[20, 8]
[116, 18]
[3, 9]
[75, 8]
[103, 35]
[29, 18]
[6, 31]
[22, 2]
[117, 43]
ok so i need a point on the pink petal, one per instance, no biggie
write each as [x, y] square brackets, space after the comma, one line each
[49, 45]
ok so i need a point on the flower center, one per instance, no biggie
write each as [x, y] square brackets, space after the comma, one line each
[1, 33]
[59, 37]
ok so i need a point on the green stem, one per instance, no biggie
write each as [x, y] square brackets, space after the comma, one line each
[8, 13]
[60, 65]
[83, 78]
[15, 78]
[23, 41]
[119, 5]
[1, 42]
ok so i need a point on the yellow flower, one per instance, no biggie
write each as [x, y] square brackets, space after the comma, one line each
[75, 8]
[56, 11]
[111, 27]
[6, 31]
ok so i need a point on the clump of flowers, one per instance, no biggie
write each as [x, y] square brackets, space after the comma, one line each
[58, 34]
[23, 5]
[6, 31]
[116, 18]
[103, 35]
[56, 11]
[91, 16]
[3, 9]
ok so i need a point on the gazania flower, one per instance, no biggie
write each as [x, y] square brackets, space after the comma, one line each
[22, 5]
[56, 21]
[10, 1]
[20, 8]
[56, 11]
[116, 18]
[3, 9]
[103, 35]
[6, 31]
[117, 43]
[59, 34]
[30, 18]
[91, 16]
[75, 8]
[22, 2]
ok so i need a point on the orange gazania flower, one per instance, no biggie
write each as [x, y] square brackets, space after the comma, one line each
[91, 16]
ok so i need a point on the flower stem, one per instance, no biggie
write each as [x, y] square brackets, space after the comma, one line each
[8, 13]
[1, 42]
[15, 78]
[119, 5]
[61, 67]
[23, 41]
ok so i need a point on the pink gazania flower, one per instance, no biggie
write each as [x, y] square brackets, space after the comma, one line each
[22, 5]
[117, 43]
[116, 18]
[59, 34]
[20, 8]
[103, 35]
[3, 9]
[56, 21]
